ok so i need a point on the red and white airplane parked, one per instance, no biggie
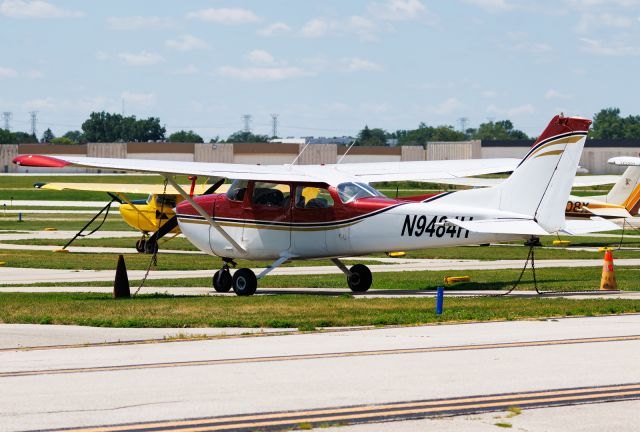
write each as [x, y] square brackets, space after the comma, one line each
[295, 212]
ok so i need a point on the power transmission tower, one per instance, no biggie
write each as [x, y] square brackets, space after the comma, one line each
[6, 116]
[246, 119]
[274, 125]
[463, 124]
[34, 122]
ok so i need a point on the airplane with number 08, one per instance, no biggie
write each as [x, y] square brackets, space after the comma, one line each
[297, 212]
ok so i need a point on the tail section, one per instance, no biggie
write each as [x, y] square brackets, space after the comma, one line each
[539, 187]
[626, 192]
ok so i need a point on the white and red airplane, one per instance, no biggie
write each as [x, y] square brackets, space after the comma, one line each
[297, 212]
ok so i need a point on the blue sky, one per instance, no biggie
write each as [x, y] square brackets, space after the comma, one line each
[326, 67]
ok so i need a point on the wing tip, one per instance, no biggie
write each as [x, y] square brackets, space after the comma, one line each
[31, 160]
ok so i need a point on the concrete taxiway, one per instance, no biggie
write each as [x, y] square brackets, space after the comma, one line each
[323, 378]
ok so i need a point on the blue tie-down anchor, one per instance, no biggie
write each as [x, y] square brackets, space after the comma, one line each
[439, 300]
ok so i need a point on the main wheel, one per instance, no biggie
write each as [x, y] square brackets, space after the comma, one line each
[244, 282]
[222, 280]
[151, 247]
[360, 279]
[140, 244]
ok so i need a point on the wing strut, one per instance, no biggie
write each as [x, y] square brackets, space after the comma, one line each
[204, 214]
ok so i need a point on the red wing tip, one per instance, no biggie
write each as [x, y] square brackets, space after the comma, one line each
[559, 125]
[39, 161]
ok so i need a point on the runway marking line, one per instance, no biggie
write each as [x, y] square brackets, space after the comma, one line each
[296, 357]
[387, 412]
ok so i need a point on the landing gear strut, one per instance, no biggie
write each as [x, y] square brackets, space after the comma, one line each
[222, 279]
[359, 276]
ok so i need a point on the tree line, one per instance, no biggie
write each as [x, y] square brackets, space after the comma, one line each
[108, 127]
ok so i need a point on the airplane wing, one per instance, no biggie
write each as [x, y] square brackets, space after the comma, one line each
[332, 174]
[578, 181]
[586, 226]
[147, 189]
[625, 161]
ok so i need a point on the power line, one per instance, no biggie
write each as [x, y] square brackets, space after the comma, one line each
[463, 124]
[6, 116]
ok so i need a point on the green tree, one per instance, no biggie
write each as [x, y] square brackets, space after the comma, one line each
[372, 137]
[243, 136]
[186, 137]
[608, 124]
[62, 140]
[500, 130]
[24, 138]
[75, 136]
[424, 134]
[107, 127]
[47, 136]
[6, 137]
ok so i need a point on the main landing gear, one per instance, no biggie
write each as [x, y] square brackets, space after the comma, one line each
[245, 282]
[146, 246]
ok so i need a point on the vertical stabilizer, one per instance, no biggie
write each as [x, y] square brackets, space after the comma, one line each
[626, 192]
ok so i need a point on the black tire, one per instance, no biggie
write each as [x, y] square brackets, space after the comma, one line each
[140, 245]
[360, 279]
[245, 282]
[222, 281]
[150, 247]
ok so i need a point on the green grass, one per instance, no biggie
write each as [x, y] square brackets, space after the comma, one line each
[178, 243]
[549, 279]
[36, 224]
[107, 261]
[295, 311]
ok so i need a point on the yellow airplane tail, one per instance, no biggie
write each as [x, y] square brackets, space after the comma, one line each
[626, 192]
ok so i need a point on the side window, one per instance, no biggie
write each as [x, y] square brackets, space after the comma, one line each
[313, 197]
[237, 190]
[271, 194]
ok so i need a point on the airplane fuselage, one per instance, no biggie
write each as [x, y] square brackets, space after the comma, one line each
[361, 226]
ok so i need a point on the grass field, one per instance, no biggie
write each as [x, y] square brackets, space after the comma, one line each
[295, 311]
[549, 279]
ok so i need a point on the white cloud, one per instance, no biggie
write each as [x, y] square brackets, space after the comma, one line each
[398, 9]
[186, 43]
[357, 64]
[224, 15]
[274, 29]
[489, 94]
[375, 108]
[263, 73]
[555, 94]
[316, 27]
[6, 72]
[597, 47]
[581, 4]
[364, 28]
[34, 74]
[519, 42]
[103, 55]
[260, 57]
[138, 23]
[36, 9]
[447, 107]
[513, 111]
[138, 99]
[589, 21]
[492, 5]
[41, 104]
[189, 69]
[142, 58]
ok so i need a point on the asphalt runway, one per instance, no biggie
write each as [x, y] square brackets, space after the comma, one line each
[346, 377]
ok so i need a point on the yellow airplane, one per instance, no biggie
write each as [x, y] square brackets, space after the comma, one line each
[153, 215]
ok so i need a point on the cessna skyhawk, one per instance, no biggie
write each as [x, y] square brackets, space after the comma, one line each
[297, 212]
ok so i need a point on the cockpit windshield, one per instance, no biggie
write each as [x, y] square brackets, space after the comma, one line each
[352, 191]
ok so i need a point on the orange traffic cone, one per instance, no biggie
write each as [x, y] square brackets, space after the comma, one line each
[608, 281]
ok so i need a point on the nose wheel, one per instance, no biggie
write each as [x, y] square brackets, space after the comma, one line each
[222, 280]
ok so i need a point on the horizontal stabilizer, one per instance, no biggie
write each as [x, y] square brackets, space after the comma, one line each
[500, 226]
[609, 212]
[595, 224]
